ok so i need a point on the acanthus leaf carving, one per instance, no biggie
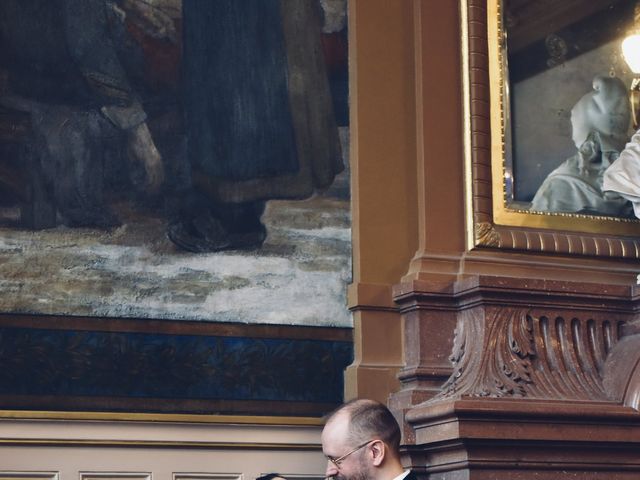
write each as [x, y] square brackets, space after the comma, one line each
[500, 352]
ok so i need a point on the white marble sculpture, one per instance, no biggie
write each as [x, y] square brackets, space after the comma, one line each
[600, 123]
[623, 177]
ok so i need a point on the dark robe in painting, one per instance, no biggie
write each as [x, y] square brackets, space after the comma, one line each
[67, 52]
[258, 107]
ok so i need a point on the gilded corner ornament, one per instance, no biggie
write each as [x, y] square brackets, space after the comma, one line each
[486, 235]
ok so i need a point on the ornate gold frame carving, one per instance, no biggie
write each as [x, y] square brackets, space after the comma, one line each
[492, 222]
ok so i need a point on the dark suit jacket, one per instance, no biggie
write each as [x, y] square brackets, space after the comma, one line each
[411, 476]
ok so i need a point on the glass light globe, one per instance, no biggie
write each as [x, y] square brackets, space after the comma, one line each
[631, 52]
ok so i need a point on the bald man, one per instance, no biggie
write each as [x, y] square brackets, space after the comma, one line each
[361, 441]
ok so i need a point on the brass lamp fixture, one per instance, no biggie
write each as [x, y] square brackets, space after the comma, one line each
[631, 54]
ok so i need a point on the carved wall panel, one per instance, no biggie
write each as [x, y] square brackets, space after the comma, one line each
[207, 476]
[26, 475]
[121, 476]
[530, 354]
[147, 448]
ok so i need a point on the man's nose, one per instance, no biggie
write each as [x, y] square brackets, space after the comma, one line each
[331, 469]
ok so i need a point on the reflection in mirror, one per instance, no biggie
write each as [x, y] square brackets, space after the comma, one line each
[568, 114]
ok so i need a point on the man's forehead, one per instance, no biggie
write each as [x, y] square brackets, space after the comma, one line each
[340, 421]
[335, 431]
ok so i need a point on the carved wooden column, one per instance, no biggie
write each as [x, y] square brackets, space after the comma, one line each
[428, 332]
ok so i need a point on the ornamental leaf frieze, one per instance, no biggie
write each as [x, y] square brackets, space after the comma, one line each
[510, 352]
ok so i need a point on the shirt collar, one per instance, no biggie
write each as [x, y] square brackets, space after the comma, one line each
[402, 475]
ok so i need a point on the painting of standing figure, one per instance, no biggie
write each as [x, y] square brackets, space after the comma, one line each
[266, 129]
[174, 158]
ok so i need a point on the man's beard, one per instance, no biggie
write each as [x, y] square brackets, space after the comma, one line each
[361, 474]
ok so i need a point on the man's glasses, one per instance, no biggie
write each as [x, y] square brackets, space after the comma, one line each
[338, 461]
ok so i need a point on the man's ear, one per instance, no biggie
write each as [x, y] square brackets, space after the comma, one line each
[379, 450]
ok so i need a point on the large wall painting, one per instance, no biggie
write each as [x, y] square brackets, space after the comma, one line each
[175, 159]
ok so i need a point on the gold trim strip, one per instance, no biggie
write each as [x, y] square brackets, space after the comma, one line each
[161, 417]
[466, 126]
[496, 100]
[160, 444]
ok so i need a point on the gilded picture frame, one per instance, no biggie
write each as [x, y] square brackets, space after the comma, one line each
[493, 220]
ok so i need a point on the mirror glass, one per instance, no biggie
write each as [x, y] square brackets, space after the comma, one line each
[566, 103]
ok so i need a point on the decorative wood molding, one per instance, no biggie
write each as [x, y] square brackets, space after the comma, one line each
[183, 327]
[525, 439]
[377, 297]
[509, 352]
[159, 435]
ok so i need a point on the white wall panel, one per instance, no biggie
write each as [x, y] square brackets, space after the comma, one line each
[116, 450]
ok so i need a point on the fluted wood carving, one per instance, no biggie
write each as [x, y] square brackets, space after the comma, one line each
[510, 352]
